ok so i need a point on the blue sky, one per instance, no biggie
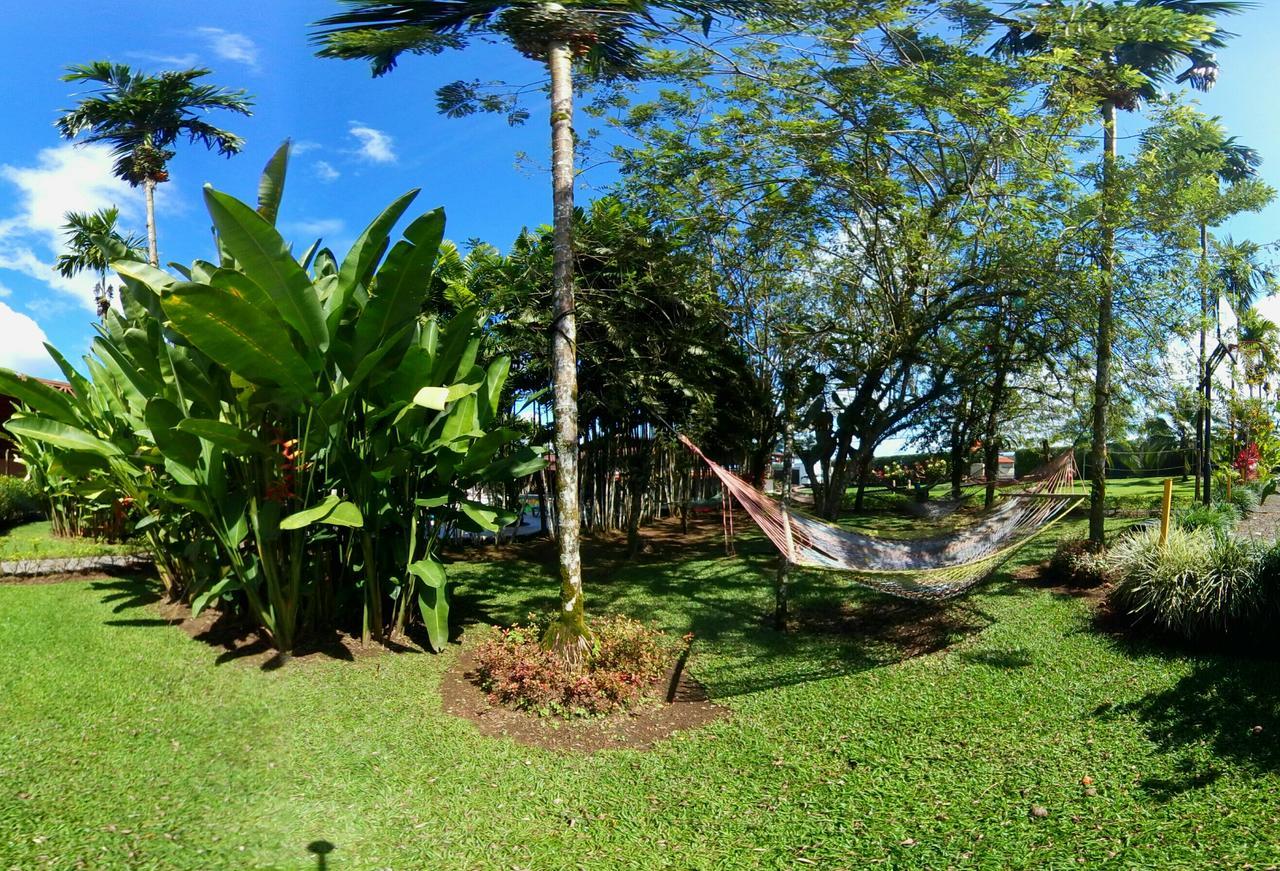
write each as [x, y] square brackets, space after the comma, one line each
[360, 141]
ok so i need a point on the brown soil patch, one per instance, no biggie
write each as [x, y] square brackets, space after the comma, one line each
[640, 729]
[910, 628]
[242, 641]
[37, 580]
[1037, 575]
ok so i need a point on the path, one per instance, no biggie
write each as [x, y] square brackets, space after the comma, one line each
[1263, 523]
[71, 565]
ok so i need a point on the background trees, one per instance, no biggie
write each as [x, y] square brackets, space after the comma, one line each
[143, 116]
[606, 36]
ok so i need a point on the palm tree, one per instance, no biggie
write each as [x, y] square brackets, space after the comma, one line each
[93, 241]
[1046, 25]
[143, 116]
[1243, 276]
[1259, 339]
[605, 34]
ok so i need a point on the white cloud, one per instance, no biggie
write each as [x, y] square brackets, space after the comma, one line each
[375, 145]
[21, 340]
[302, 146]
[231, 46]
[326, 172]
[65, 178]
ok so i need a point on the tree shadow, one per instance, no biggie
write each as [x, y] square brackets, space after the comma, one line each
[125, 592]
[1227, 709]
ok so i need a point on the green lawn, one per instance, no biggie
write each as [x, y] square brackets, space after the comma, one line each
[29, 541]
[125, 745]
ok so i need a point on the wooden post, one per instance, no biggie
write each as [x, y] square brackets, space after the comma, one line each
[1165, 507]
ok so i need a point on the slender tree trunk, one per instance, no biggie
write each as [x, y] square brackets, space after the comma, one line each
[153, 252]
[782, 591]
[1204, 320]
[568, 634]
[1102, 380]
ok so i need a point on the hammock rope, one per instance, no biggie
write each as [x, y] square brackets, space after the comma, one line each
[938, 567]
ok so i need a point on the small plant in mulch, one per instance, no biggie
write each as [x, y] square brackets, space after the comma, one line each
[1080, 563]
[626, 668]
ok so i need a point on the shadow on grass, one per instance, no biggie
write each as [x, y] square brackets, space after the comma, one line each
[837, 628]
[230, 633]
[1227, 707]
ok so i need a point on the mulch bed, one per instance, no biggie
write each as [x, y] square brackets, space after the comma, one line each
[640, 729]
[1037, 575]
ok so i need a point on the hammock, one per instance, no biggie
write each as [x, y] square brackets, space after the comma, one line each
[940, 567]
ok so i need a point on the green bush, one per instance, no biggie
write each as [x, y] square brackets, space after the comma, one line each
[19, 500]
[1220, 517]
[1245, 498]
[1080, 563]
[1197, 585]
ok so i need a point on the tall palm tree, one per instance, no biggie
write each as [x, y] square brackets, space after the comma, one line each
[606, 34]
[143, 116]
[1259, 339]
[1242, 274]
[1156, 58]
[93, 240]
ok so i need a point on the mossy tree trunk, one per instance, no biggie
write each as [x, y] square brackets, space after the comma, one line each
[568, 633]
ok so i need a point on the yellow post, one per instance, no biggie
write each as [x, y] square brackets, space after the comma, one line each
[1165, 508]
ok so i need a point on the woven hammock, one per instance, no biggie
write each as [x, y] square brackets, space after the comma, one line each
[940, 567]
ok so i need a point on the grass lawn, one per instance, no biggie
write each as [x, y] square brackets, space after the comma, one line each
[123, 744]
[30, 541]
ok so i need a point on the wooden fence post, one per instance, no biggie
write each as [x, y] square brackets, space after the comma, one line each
[1165, 507]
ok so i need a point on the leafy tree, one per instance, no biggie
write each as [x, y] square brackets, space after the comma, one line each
[143, 116]
[608, 36]
[93, 240]
[1118, 54]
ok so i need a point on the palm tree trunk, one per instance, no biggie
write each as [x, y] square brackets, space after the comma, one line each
[568, 634]
[153, 252]
[1204, 320]
[1102, 379]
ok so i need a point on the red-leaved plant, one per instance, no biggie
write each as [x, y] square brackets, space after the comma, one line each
[626, 667]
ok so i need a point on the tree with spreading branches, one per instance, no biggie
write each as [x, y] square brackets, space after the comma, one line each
[608, 38]
[1120, 54]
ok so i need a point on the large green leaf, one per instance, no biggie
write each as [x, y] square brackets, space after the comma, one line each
[271, 185]
[226, 436]
[264, 257]
[495, 377]
[438, 397]
[145, 274]
[62, 435]
[402, 282]
[360, 260]
[331, 510]
[240, 336]
[164, 419]
[433, 599]
[40, 397]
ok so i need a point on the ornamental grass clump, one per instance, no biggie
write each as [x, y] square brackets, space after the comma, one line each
[627, 664]
[1198, 585]
[1220, 517]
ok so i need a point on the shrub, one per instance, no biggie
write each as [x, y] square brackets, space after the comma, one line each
[20, 500]
[1220, 517]
[1080, 563]
[1246, 498]
[628, 659]
[1198, 585]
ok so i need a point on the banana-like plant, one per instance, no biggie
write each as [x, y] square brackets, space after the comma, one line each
[319, 435]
